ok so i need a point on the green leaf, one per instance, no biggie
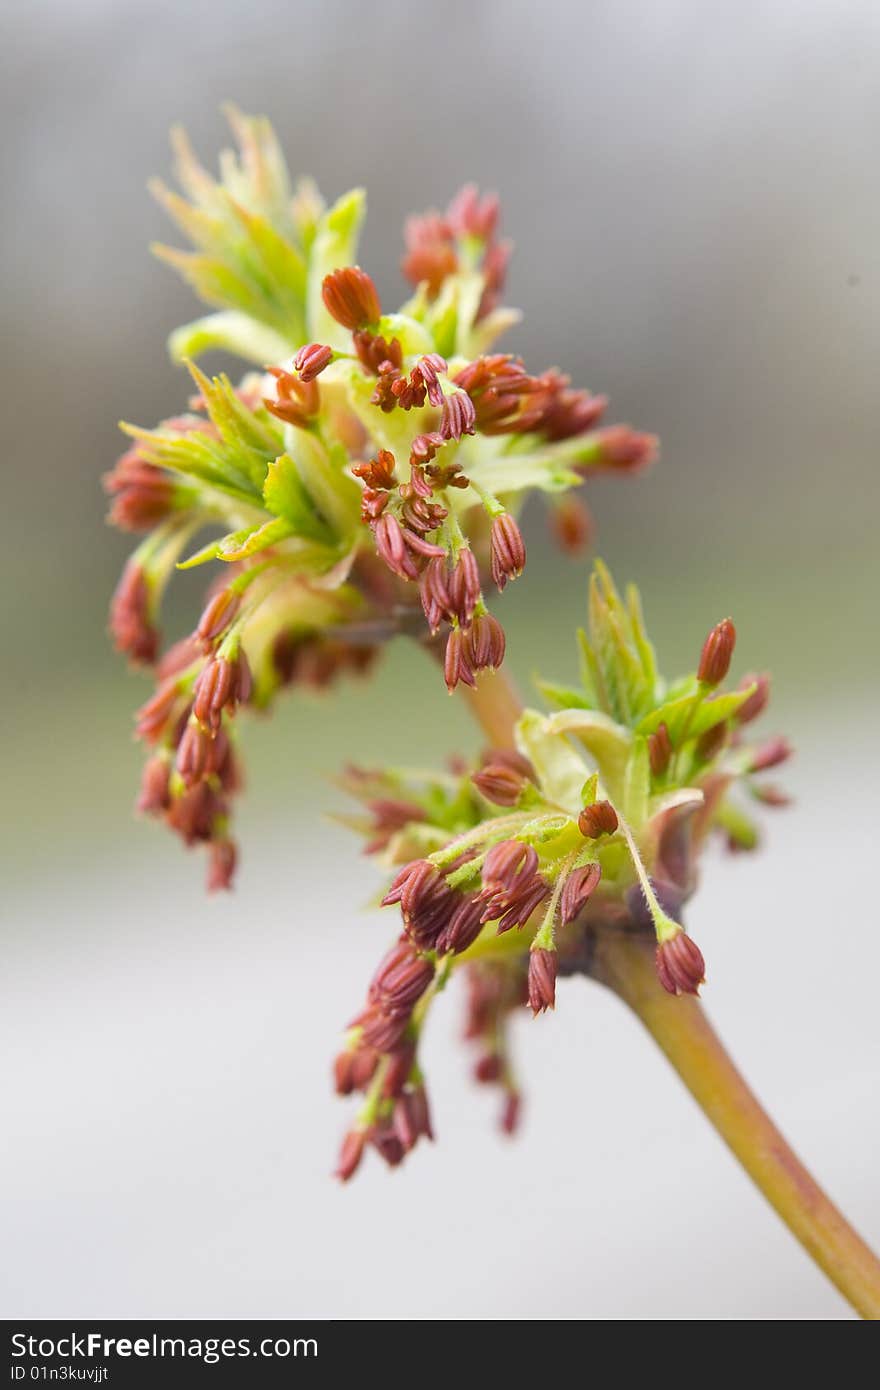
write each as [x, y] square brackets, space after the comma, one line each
[242, 544]
[637, 783]
[229, 331]
[286, 496]
[607, 742]
[559, 767]
[562, 696]
[676, 714]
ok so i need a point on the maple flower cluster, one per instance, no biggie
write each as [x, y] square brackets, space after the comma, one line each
[364, 476]
[595, 822]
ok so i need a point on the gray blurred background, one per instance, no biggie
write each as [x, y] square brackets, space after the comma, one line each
[694, 196]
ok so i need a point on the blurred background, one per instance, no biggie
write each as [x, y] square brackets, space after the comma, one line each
[694, 197]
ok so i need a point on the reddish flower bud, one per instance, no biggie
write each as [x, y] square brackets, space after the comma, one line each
[131, 625]
[387, 1145]
[507, 861]
[542, 980]
[463, 587]
[771, 796]
[716, 654]
[680, 965]
[456, 663]
[770, 754]
[659, 750]
[598, 819]
[222, 684]
[758, 700]
[434, 592]
[193, 815]
[143, 495]
[193, 752]
[462, 929]
[485, 643]
[623, 448]
[572, 524]
[311, 360]
[350, 1154]
[428, 369]
[487, 1069]
[470, 216]
[391, 547]
[350, 296]
[498, 784]
[508, 551]
[382, 1031]
[510, 1115]
[154, 717]
[154, 795]
[577, 891]
[520, 905]
[221, 866]
[457, 416]
[217, 615]
[399, 1068]
[401, 979]
[177, 658]
[710, 743]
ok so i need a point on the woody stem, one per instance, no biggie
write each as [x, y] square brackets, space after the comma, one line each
[681, 1029]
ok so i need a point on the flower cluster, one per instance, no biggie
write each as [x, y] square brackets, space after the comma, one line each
[596, 822]
[369, 467]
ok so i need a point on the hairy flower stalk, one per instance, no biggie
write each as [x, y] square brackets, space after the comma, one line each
[370, 465]
[365, 478]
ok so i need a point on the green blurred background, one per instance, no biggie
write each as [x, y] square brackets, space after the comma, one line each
[693, 194]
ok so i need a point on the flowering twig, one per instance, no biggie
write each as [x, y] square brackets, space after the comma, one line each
[624, 963]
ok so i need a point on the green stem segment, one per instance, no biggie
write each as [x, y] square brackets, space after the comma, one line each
[625, 963]
[683, 1032]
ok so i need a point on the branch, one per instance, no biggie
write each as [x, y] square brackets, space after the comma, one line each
[682, 1030]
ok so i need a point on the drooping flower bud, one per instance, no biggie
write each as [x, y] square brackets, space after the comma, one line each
[508, 551]
[758, 700]
[625, 449]
[193, 752]
[485, 643]
[131, 624]
[392, 548]
[716, 654]
[221, 865]
[572, 524]
[350, 1154]
[600, 818]
[542, 979]
[770, 754]
[350, 296]
[577, 890]
[680, 965]
[154, 795]
[456, 662]
[401, 979]
[219, 612]
[457, 416]
[223, 684]
[463, 587]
